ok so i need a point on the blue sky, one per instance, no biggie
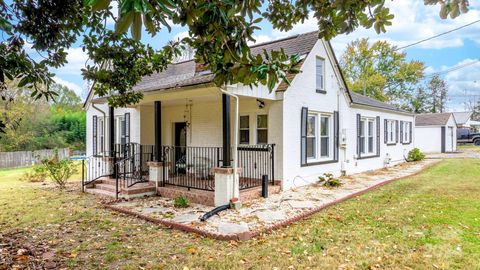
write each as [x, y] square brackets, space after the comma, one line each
[413, 21]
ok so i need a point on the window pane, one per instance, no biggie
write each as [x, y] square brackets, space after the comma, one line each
[311, 147]
[362, 144]
[311, 126]
[362, 128]
[324, 126]
[262, 136]
[319, 73]
[370, 128]
[324, 149]
[244, 121]
[244, 136]
[370, 144]
[262, 121]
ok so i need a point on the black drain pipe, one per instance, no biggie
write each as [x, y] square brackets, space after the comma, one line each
[214, 211]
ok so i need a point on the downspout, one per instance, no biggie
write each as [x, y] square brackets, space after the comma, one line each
[235, 136]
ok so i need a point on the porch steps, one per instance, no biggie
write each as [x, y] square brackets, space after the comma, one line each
[107, 188]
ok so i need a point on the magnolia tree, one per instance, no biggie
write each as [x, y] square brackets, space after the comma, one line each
[219, 33]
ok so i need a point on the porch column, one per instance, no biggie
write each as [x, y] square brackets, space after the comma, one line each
[226, 131]
[158, 131]
[111, 132]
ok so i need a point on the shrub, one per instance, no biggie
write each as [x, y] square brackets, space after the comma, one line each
[415, 155]
[328, 180]
[37, 174]
[181, 202]
[59, 170]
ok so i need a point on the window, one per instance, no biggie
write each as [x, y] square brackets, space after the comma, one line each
[406, 132]
[262, 129]
[120, 130]
[318, 136]
[324, 136]
[390, 131]
[320, 74]
[311, 137]
[370, 136]
[367, 135]
[101, 128]
[244, 129]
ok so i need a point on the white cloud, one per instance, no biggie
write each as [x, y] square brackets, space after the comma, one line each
[73, 86]
[260, 39]
[180, 35]
[413, 21]
[463, 83]
[76, 59]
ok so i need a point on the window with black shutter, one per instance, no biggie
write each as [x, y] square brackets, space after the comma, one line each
[359, 133]
[378, 135]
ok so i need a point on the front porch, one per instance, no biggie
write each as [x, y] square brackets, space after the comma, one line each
[184, 141]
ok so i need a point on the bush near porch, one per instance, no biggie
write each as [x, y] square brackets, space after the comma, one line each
[423, 222]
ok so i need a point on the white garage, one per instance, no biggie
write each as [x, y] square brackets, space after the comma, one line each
[436, 132]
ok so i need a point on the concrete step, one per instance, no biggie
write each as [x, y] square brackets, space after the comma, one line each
[100, 192]
[106, 187]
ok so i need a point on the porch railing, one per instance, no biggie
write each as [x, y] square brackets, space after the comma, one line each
[191, 167]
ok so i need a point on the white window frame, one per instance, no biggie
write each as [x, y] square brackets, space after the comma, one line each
[318, 136]
[101, 134]
[364, 121]
[257, 128]
[315, 136]
[391, 126]
[240, 129]
[406, 132]
[322, 74]
[118, 128]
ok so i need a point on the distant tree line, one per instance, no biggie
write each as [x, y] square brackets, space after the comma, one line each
[40, 124]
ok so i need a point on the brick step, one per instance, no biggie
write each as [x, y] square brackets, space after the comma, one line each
[140, 188]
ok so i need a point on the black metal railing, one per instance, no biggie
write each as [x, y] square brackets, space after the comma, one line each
[94, 168]
[129, 172]
[190, 166]
[256, 161]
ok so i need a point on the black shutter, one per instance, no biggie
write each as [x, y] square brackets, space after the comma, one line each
[303, 136]
[401, 132]
[385, 131]
[442, 136]
[336, 130]
[410, 132]
[127, 127]
[396, 131]
[358, 135]
[378, 135]
[94, 131]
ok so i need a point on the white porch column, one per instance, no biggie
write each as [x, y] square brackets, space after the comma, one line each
[157, 171]
[226, 185]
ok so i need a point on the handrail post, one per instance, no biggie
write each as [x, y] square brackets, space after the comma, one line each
[116, 181]
[83, 175]
[273, 164]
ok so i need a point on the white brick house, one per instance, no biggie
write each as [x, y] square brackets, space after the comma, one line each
[314, 126]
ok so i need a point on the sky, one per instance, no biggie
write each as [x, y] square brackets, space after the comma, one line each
[413, 22]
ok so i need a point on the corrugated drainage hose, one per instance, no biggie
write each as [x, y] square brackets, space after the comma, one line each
[214, 211]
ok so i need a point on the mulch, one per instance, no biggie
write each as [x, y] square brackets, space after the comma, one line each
[17, 251]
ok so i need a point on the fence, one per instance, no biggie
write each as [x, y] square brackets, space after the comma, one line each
[29, 158]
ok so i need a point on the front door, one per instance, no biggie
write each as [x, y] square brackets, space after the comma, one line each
[180, 140]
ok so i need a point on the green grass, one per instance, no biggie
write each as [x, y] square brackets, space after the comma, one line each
[468, 147]
[429, 221]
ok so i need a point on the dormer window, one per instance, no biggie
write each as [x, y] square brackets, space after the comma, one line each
[320, 75]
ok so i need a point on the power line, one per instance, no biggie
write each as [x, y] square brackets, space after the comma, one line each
[451, 69]
[438, 35]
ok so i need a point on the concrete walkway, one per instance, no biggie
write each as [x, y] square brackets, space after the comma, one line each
[265, 213]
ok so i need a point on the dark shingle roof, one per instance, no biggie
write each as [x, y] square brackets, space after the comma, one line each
[187, 73]
[367, 101]
[432, 119]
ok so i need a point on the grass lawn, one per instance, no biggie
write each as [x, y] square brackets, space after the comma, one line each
[429, 221]
[468, 147]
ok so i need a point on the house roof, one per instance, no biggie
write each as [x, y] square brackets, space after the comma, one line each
[462, 117]
[188, 73]
[432, 119]
[367, 101]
